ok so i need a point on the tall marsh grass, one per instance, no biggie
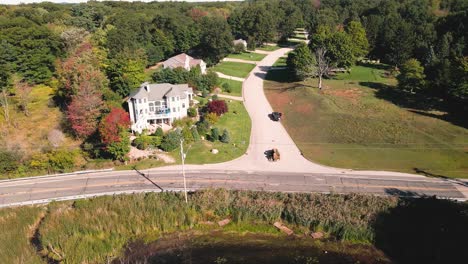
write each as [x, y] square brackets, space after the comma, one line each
[96, 230]
[17, 228]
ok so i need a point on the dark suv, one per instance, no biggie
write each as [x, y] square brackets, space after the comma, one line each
[276, 116]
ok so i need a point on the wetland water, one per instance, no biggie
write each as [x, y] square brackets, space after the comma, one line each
[226, 248]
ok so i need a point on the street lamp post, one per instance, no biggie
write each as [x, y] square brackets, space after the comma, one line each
[182, 154]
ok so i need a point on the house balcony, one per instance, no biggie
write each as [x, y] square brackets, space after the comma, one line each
[159, 113]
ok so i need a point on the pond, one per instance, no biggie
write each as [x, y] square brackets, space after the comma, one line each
[221, 247]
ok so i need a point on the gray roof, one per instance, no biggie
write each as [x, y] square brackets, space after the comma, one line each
[158, 91]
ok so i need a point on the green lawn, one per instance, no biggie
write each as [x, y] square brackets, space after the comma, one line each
[268, 48]
[236, 69]
[281, 62]
[238, 125]
[299, 36]
[352, 125]
[236, 86]
[251, 56]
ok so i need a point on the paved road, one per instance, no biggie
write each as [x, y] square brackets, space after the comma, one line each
[40, 190]
[293, 173]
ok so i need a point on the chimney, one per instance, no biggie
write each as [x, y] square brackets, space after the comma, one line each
[187, 62]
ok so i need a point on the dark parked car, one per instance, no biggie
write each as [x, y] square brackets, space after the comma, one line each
[276, 116]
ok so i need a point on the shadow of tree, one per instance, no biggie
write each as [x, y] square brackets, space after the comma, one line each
[418, 103]
[428, 174]
[402, 193]
[424, 230]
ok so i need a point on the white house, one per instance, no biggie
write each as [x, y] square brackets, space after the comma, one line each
[240, 41]
[184, 61]
[154, 104]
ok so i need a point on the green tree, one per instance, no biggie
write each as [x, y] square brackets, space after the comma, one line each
[225, 138]
[119, 149]
[171, 141]
[302, 62]
[126, 72]
[159, 132]
[192, 112]
[203, 126]
[195, 135]
[411, 77]
[357, 33]
[216, 39]
[214, 134]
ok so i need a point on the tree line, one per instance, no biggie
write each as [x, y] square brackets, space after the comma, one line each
[426, 41]
[93, 54]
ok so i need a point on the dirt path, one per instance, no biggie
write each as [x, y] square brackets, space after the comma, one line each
[222, 75]
[240, 60]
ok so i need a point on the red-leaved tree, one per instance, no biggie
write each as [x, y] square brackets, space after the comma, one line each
[112, 125]
[85, 109]
[218, 107]
[81, 66]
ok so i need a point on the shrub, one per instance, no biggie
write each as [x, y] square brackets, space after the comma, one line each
[119, 149]
[212, 118]
[238, 48]
[202, 102]
[192, 112]
[225, 138]
[159, 132]
[218, 107]
[155, 141]
[214, 134]
[144, 141]
[203, 126]
[187, 135]
[214, 97]
[39, 161]
[62, 160]
[9, 160]
[195, 135]
[204, 93]
[170, 141]
[227, 88]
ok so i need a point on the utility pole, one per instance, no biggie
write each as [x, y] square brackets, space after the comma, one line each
[182, 154]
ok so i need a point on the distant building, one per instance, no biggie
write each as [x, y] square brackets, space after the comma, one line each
[154, 104]
[240, 41]
[184, 61]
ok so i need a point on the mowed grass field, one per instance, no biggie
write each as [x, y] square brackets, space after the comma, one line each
[352, 125]
[236, 86]
[250, 56]
[268, 48]
[236, 69]
[237, 122]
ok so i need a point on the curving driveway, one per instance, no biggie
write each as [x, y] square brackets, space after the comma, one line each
[267, 134]
[252, 171]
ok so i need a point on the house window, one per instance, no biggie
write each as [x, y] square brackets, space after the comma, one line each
[139, 101]
[151, 107]
[173, 99]
[183, 105]
[173, 110]
[177, 98]
[158, 103]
